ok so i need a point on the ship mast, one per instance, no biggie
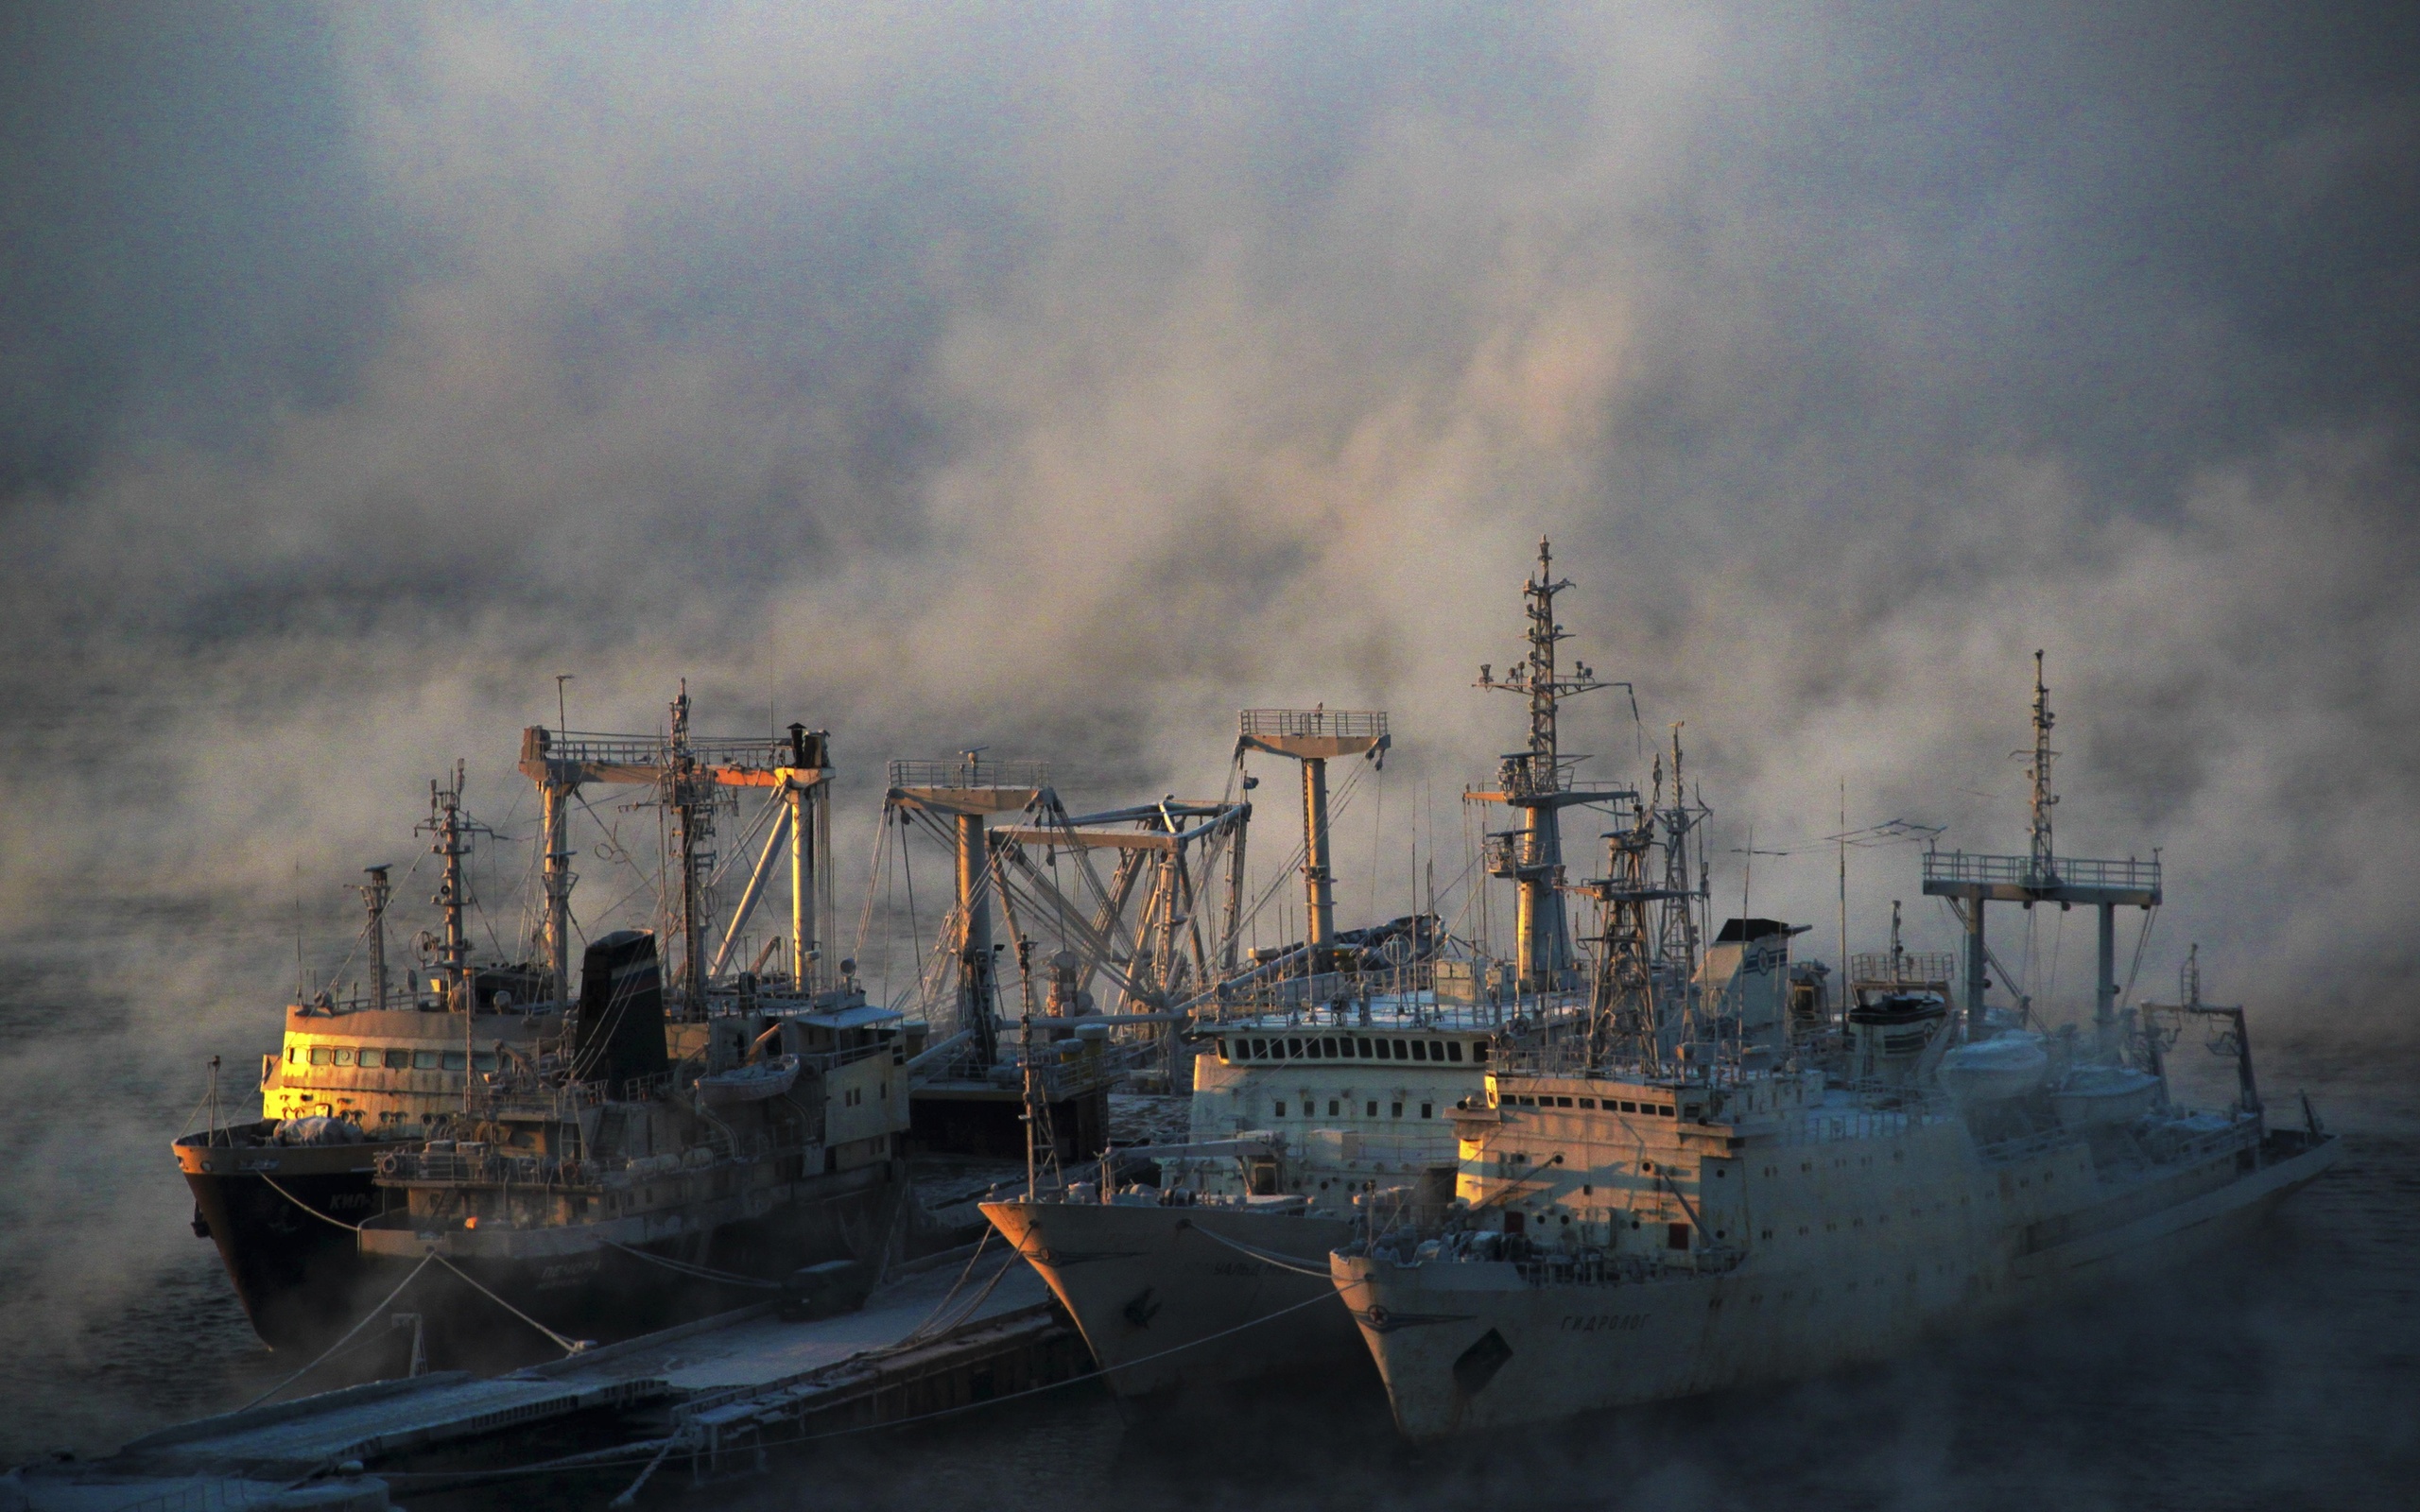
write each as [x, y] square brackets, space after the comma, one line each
[453, 832]
[1534, 783]
[690, 795]
[2046, 871]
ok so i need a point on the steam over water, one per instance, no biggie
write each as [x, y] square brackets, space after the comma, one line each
[1060, 381]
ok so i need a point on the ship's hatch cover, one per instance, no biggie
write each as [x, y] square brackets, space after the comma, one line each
[1478, 1364]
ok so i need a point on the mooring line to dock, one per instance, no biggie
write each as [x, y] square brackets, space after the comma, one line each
[348, 1335]
[567, 1346]
[704, 1273]
[631, 1493]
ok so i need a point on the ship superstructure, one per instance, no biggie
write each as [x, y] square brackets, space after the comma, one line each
[1627, 1231]
[369, 1083]
[1329, 1073]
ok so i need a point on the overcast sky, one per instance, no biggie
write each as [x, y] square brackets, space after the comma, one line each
[1062, 378]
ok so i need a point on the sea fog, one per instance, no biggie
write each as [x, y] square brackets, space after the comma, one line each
[1060, 380]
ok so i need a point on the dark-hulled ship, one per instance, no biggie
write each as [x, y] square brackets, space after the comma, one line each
[648, 1150]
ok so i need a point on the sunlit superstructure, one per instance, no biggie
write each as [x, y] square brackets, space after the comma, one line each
[343, 1173]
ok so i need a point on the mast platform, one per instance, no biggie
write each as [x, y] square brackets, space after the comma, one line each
[2025, 879]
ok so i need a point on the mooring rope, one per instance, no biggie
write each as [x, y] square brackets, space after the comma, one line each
[348, 1335]
[1280, 1262]
[706, 1273]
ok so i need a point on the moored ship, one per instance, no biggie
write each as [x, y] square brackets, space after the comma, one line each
[357, 1076]
[370, 1103]
[1680, 1213]
[1328, 1075]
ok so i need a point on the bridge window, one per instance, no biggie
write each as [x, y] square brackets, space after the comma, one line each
[1420, 1050]
[320, 1055]
[1399, 1051]
[344, 1055]
[1397, 1111]
[1478, 1051]
[1562, 1102]
[424, 1060]
[452, 1061]
[1373, 1111]
[1332, 1106]
[1428, 1110]
[1293, 1048]
[1382, 1048]
[1453, 1050]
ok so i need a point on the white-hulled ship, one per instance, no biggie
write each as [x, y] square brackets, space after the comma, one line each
[1300, 1122]
[1683, 1211]
[1327, 1078]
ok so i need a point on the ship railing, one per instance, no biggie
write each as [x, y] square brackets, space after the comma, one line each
[1827, 1125]
[1598, 1268]
[970, 772]
[656, 750]
[1531, 774]
[2025, 872]
[1414, 984]
[823, 1061]
[2241, 1135]
[2025, 1146]
[1917, 969]
[220, 1495]
[1338, 724]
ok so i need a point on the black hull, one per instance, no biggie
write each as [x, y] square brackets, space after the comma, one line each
[603, 1293]
[304, 1281]
[299, 1277]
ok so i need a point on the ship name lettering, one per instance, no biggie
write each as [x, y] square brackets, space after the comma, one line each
[1602, 1322]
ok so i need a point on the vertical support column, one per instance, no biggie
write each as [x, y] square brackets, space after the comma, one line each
[1978, 965]
[1544, 946]
[1317, 879]
[974, 954]
[1235, 896]
[554, 800]
[803, 921]
[2105, 986]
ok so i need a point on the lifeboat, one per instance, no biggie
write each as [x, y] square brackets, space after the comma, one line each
[2100, 1096]
[1992, 1071]
[751, 1083]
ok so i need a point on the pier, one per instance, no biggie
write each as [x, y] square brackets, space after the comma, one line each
[709, 1401]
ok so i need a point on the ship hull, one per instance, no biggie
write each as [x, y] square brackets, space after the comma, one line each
[1470, 1346]
[1164, 1305]
[607, 1281]
[282, 1219]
